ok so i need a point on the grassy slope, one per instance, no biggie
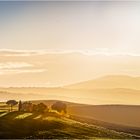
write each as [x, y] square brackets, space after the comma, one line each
[127, 115]
[28, 125]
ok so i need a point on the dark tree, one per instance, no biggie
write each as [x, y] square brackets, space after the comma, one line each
[41, 108]
[19, 106]
[11, 103]
[59, 106]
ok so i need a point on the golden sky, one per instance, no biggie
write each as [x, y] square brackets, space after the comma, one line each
[40, 68]
[59, 43]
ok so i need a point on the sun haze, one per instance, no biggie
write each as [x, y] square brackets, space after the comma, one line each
[56, 44]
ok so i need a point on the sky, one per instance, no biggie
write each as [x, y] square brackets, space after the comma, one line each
[59, 43]
[70, 26]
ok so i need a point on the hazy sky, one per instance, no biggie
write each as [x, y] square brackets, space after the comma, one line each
[82, 40]
[70, 25]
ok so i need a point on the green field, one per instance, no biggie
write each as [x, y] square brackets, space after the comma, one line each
[51, 126]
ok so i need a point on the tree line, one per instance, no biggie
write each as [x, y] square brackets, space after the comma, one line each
[58, 106]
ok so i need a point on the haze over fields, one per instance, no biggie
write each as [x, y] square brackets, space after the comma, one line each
[59, 44]
[107, 90]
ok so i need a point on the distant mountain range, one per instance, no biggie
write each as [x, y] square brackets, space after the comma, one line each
[117, 81]
[106, 90]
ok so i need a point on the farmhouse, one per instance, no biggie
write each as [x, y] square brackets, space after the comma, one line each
[25, 106]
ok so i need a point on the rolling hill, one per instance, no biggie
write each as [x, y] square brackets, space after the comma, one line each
[52, 126]
[127, 115]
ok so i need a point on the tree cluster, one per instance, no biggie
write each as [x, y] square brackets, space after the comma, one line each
[58, 106]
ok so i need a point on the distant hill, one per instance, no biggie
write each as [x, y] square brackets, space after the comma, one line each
[114, 81]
